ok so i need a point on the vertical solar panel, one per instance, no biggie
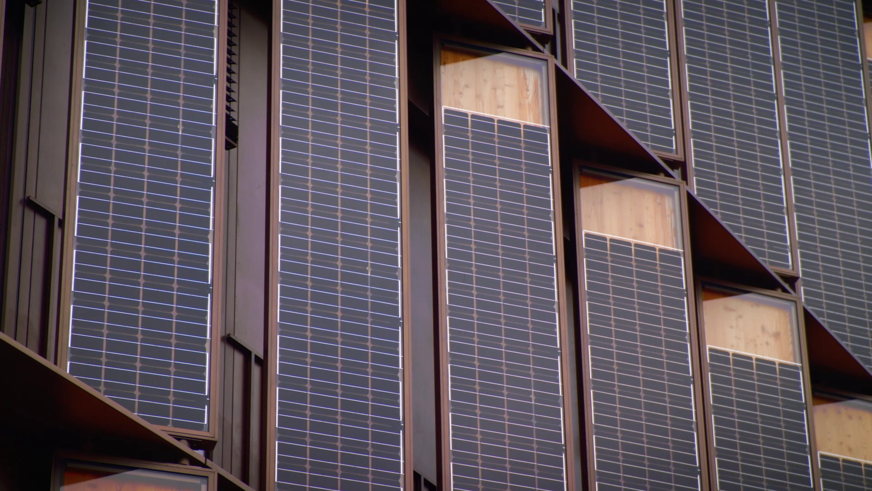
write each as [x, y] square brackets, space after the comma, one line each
[843, 474]
[828, 139]
[758, 414]
[621, 50]
[506, 411]
[525, 12]
[340, 421]
[644, 422]
[142, 287]
[734, 130]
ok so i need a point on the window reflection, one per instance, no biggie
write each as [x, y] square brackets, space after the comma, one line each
[94, 477]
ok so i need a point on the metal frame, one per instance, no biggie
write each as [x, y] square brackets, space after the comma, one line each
[441, 308]
[699, 286]
[676, 71]
[209, 437]
[537, 31]
[693, 344]
[270, 365]
[61, 458]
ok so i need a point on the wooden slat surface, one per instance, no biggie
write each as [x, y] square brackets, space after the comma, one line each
[629, 210]
[751, 324]
[492, 85]
[843, 427]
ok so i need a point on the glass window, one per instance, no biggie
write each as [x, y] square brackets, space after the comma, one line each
[498, 84]
[635, 209]
[81, 476]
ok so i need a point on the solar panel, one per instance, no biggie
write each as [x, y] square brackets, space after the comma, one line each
[142, 264]
[844, 474]
[339, 395]
[621, 50]
[644, 422]
[524, 12]
[506, 411]
[758, 414]
[734, 131]
[828, 136]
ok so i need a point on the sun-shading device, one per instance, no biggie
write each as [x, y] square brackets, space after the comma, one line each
[529, 13]
[828, 136]
[339, 389]
[638, 356]
[734, 132]
[142, 262]
[843, 429]
[756, 392]
[621, 54]
[503, 352]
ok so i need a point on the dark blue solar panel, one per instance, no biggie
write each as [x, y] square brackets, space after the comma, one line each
[506, 408]
[142, 287]
[760, 431]
[621, 50]
[734, 131]
[340, 421]
[824, 96]
[641, 374]
[525, 12]
[843, 474]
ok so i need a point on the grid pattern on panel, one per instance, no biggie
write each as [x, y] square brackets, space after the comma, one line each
[340, 421]
[641, 374]
[503, 345]
[621, 50]
[760, 432]
[843, 474]
[524, 12]
[142, 287]
[734, 130]
[830, 164]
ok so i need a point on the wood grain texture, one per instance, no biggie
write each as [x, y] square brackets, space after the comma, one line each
[751, 324]
[843, 427]
[495, 86]
[630, 209]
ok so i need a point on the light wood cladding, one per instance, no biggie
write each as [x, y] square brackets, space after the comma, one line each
[93, 480]
[751, 324]
[631, 209]
[495, 86]
[843, 427]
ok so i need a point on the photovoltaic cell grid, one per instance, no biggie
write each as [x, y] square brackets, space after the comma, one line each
[340, 421]
[760, 432]
[644, 421]
[621, 50]
[140, 329]
[503, 341]
[734, 121]
[525, 12]
[841, 474]
[830, 165]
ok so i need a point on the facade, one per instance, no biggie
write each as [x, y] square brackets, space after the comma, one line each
[441, 244]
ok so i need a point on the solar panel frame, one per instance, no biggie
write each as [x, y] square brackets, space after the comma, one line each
[838, 473]
[633, 104]
[830, 163]
[443, 425]
[215, 17]
[387, 86]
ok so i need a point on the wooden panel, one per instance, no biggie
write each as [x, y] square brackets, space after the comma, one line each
[494, 85]
[631, 209]
[867, 34]
[751, 324]
[843, 427]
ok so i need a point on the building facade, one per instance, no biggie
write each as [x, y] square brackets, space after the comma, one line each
[435, 244]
